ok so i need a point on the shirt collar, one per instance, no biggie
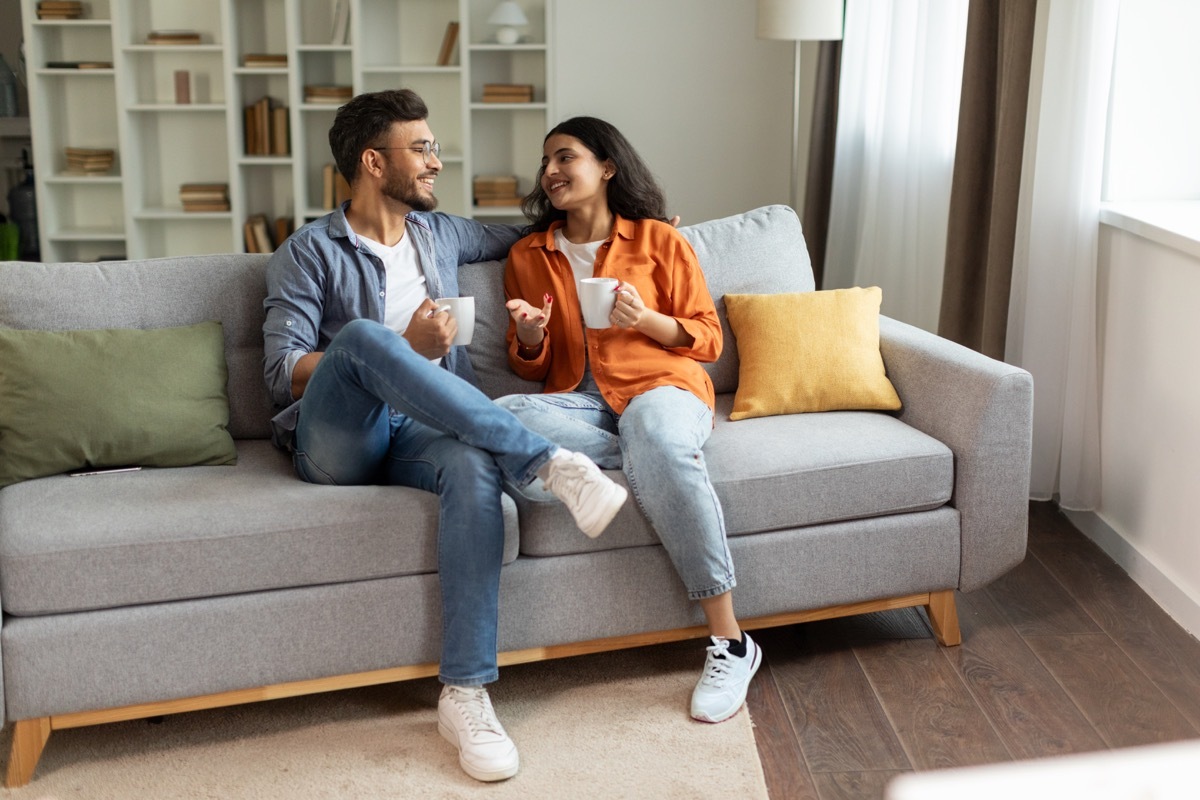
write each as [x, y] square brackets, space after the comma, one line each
[622, 228]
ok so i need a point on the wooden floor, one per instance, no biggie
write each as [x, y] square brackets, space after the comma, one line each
[1064, 654]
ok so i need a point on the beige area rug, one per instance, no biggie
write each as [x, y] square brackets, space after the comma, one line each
[611, 725]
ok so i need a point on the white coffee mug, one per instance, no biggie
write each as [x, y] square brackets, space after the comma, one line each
[462, 309]
[597, 296]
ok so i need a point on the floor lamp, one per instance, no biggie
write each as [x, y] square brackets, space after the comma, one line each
[799, 21]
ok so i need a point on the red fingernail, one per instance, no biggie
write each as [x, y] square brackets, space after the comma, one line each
[524, 317]
[547, 298]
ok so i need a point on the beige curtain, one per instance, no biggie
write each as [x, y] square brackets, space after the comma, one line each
[987, 174]
[819, 186]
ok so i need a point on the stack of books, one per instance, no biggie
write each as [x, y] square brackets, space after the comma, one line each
[264, 60]
[259, 236]
[204, 196]
[89, 161]
[334, 95]
[335, 188]
[267, 128]
[508, 93]
[59, 9]
[495, 190]
[173, 37]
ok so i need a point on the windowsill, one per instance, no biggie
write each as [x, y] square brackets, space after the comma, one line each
[1174, 224]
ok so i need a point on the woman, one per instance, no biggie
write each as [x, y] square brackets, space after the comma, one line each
[632, 395]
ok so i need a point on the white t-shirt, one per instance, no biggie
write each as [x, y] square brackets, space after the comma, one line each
[404, 283]
[582, 258]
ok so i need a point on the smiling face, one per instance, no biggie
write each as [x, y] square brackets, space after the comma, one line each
[573, 178]
[406, 177]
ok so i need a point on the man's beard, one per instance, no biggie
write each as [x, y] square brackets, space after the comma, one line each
[410, 193]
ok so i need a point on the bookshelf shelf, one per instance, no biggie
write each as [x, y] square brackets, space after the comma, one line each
[161, 144]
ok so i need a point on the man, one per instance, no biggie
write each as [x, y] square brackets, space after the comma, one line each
[359, 356]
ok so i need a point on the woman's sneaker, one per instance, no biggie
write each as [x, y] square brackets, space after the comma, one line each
[726, 677]
[591, 496]
[467, 720]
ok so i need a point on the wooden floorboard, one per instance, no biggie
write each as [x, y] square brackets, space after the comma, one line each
[1064, 654]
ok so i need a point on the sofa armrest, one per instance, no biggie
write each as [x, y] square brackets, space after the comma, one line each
[982, 409]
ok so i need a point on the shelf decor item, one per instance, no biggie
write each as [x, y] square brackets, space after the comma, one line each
[449, 39]
[88, 160]
[59, 9]
[204, 196]
[329, 95]
[508, 93]
[495, 190]
[509, 16]
[173, 37]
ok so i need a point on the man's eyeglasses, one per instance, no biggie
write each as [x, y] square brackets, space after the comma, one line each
[428, 150]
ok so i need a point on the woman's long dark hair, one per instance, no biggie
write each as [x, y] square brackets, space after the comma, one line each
[632, 191]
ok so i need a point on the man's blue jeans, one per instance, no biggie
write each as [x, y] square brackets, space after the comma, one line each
[377, 412]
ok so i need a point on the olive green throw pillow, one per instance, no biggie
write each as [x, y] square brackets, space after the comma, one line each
[809, 351]
[110, 398]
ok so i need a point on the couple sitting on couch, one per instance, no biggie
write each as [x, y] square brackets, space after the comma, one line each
[360, 359]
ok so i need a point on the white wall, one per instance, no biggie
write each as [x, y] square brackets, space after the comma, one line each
[1149, 515]
[706, 104]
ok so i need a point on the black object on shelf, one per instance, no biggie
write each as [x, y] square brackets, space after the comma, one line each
[22, 210]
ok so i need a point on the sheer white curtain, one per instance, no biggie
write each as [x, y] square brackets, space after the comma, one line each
[901, 77]
[1052, 311]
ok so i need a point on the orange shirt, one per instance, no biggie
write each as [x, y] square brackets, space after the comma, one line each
[661, 264]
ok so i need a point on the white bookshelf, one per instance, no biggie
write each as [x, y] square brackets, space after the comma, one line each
[135, 209]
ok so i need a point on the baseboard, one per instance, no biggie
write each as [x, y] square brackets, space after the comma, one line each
[1174, 599]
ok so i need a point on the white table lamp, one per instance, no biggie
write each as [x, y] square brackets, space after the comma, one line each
[799, 21]
[509, 16]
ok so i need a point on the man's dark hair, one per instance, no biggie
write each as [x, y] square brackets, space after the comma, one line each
[366, 121]
[632, 191]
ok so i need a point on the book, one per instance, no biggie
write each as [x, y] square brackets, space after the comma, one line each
[79, 65]
[335, 188]
[449, 39]
[341, 22]
[497, 201]
[183, 87]
[265, 60]
[279, 131]
[284, 227]
[173, 37]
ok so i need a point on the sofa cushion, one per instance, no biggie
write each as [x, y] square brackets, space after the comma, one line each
[156, 293]
[111, 398]
[779, 473]
[75, 544]
[758, 252]
[809, 351]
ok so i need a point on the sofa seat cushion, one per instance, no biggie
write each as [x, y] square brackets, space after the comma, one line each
[75, 544]
[778, 473]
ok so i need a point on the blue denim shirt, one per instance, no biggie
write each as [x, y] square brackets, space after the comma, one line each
[323, 277]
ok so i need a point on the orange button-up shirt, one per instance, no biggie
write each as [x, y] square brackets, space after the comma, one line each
[661, 264]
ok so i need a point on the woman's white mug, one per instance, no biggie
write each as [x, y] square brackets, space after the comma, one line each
[462, 309]
[597, 296]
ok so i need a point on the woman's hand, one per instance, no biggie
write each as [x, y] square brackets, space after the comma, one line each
[629, 309]
[531, 322]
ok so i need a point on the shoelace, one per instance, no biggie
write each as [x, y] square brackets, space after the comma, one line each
[719, 665]
[567, 479]
[477, 710]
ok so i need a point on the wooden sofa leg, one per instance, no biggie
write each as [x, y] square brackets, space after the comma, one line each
[943, 616]
[28, 741]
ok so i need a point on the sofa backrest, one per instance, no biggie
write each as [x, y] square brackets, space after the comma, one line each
[758, 252]
[155, 293]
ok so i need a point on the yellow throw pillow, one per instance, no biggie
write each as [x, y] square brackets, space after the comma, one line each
[809, 351]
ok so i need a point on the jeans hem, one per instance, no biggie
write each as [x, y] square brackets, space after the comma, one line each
[720, 589]
[489, 677]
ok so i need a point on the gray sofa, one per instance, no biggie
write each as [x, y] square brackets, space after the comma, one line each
[140, 594]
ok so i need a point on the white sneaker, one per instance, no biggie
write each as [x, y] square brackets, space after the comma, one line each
[590, 495]
[722, 687]
[467, 720]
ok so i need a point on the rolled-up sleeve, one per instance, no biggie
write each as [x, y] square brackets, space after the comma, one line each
[295, 293]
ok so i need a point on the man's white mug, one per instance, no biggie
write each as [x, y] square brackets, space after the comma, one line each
[597, 296]
[462, 309]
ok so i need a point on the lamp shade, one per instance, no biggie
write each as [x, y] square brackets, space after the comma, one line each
[508, 13]
[800, 20]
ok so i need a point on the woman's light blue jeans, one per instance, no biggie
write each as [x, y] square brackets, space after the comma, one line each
[377, 412]
[657, 441]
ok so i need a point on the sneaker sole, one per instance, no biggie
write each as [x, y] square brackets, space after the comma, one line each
[480, 775]
[598, 526]
[738, 707]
